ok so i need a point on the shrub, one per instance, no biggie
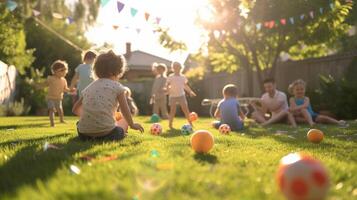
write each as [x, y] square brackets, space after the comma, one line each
[14, 109]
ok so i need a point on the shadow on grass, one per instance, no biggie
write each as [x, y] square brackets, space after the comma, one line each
[31, 163]
[17, 126]
[171, 133]
[205, 158]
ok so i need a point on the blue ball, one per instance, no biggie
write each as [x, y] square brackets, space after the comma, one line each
[186, 129]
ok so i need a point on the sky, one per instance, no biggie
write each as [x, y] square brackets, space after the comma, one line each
[177, 15]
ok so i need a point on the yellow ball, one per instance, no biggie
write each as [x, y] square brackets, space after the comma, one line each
[202, 141]
[315, 135]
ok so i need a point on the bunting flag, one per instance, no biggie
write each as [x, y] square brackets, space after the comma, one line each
[103, 2]
[35, 13]
[312, 14]
[57, 15]
[147, 16]
[292, 20]
[11, 5]
[258, 26]
[332, 6]
[133, 12]
[271, 24]
[120, 6]
[69, 20]
[321, 10]
[302, 16]
[115, 27]
[283, 21]
[138, 30]
[158, 20]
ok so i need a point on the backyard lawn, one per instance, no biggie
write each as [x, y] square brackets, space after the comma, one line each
[240, 166]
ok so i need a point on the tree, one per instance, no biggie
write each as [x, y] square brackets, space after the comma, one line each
[253, 34]
[12, 41]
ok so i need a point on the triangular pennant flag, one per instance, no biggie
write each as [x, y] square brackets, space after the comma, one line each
[321, 10]
[103, 2]
[11, 5]
[312, 14]
[147, 15]
[115, 27]
[302, 16]
[332, 6]
[158, 20]
[69, 20]
[292, 20]
[259, 26]
[127, 27]
[271, 24]
[57, 15]
[138, 30]
[36, 13]
[133, 11]
[283, 21]
[266, 24]
[120, 6]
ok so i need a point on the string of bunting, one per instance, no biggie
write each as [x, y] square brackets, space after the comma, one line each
[292, 20]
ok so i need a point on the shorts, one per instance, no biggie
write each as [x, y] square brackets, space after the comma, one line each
[54, 104]
[177, 100]
[116, 133]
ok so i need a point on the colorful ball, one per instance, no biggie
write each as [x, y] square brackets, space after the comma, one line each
[315, 135]
[156, 129]
[118, 116]
[154, 118]
[202, 141]
[186, 129]
[302, 177]
[224, 129]
[193, 116]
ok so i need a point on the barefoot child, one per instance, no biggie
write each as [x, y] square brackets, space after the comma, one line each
[177, 85]
[301, 108]
[158, 92]
[131, 103]
[100, 101]
[228, 109]
[83, 73]
[57, 85]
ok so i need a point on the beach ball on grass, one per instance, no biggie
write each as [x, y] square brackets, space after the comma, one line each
[156, 129]
[193, 116]
[202, 141]
[186, 129]
[224, 129]
[301, 177]
[315, 135]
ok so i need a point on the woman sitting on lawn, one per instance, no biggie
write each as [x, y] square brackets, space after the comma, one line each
[301, 108]
[100, 101]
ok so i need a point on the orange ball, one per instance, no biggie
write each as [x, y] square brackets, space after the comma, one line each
[118, 116]
[315, 135]
[202, 141]
[193, 116]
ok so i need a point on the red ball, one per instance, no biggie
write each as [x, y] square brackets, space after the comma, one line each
[302, 177]
[156, 129]
[193, 116]
[224, 129]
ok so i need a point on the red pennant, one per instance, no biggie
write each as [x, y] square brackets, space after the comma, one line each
[266, 24]
[147, 15]
[115, 27]
[271, 24]
[283, 21]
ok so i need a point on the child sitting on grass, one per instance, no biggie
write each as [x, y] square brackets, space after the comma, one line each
[57, 85]
[158, 92]
[228, 110]
[301, 108]
[100, 101]
[177, 85]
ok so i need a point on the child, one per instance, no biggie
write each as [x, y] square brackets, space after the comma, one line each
[131, 103]
[301, 108]
[83, 73]
[177, 85]
[100, 101]
[57, 85]
[228, 109]
[158, 92]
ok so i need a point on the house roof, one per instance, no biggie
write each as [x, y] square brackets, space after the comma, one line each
[140, 60]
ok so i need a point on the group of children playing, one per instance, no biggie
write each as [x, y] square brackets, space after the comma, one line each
[100, 96]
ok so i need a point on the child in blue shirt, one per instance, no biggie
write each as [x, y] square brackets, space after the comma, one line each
[228, 110]
[301, 108]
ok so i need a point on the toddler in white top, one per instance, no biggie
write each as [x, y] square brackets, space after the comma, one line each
[177, 85]
[100, 100]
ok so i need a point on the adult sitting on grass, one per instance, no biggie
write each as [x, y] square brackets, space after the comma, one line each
[100, 101]
[275, 102]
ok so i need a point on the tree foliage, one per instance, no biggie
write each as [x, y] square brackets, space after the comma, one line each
[12, 41]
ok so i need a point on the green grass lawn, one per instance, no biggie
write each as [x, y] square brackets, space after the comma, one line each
[240, 166]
